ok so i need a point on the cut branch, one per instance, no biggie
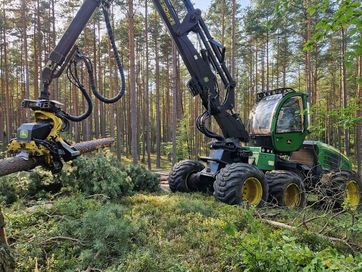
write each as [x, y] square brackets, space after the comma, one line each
[351, 246]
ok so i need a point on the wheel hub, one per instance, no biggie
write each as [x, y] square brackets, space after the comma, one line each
[252, 191]
[352, 192]
[192, 180]
[292, 196]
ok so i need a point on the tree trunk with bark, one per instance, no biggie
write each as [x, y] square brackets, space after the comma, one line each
[132, 83]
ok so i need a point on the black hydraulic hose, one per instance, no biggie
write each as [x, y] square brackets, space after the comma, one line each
[74, 79]
[118, 62]
[201, 126]
[84, 115]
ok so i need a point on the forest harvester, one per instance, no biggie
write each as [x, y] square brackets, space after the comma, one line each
[271, 161]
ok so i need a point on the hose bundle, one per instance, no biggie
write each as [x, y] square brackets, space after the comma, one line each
[73, 74]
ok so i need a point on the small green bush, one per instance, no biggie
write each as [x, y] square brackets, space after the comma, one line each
[142, 179]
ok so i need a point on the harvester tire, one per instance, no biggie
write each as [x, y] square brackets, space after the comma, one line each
[240, 182]
[286, 189]
[343, 188]
[179, 174]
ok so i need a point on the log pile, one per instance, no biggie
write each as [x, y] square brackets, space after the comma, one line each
[164, 181]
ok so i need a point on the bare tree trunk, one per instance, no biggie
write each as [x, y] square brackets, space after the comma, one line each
[223, 13]
[179, 92]
[158, 113]
[196, 132]
[87, 128]
[344, 87]
[2, 99]
[176, 91]
[315, 77]
[263, 69]
[113, 83]
[132, 79]
[119, 132]
[54, 38]
[6, 80]
[233, 38]
[165, 80]
[358, 145]
[140, 116]
[25, 51]
[285, 59]
[37, 51]
[95, 65]
[278, 60]
[147, 99]
[256, 67]
[308, 33]
[267, 59]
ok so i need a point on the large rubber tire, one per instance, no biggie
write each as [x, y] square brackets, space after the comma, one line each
[233, 179]
[342, 187]
[179, 174]
[286, 189]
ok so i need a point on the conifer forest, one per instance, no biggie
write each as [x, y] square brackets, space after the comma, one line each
[310, 46]
[113, 210]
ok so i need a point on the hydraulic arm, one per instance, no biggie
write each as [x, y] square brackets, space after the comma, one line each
[204, 66]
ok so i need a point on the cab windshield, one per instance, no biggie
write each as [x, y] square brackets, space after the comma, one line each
[262, 114]
[290, 117]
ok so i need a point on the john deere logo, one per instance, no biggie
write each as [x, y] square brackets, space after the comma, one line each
[24, 134]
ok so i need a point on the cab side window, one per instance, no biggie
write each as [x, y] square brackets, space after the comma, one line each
[290, 118]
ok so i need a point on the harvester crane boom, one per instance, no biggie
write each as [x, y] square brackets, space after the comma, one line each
[204, 66]
[57, 57]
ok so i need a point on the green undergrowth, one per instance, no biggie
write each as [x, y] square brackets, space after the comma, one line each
[342, 224]
[103, 215]
[159, 232]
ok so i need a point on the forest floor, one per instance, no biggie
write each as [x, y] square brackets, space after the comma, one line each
[178, 232]
[87, 227]
[165, 163]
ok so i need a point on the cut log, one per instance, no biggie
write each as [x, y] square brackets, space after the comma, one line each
[17, 164]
